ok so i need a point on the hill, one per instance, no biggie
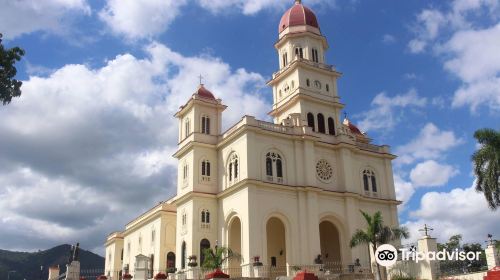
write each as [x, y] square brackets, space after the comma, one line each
[27, 264]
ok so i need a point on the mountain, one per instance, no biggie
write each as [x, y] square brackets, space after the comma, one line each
[27, 264]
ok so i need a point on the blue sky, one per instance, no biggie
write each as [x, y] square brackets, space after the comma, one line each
[103, 79]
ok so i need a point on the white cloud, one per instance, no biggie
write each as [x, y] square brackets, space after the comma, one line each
[466, 36]
[21, 17]
[431, 143]
[404, 190]
[149, 18]
[384, 114]
[431, 174]
[459, 211]
[91, 147]
[250, 7]
[140, 19]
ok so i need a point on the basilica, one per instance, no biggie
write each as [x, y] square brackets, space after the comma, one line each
[285, 193]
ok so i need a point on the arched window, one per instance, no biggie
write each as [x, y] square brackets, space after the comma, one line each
[331, 126]
[327, 86]
[315, 55]
[274, 167]
[310, 121]
[205, 125]
[204, 245]
[369, 181]
[187, 127]
[205, 217]
[299, 52]
[233, 168]
[183, 255]
[205, 168]
[285, 59]
[308, 82]
[185, 171]
[321, 123]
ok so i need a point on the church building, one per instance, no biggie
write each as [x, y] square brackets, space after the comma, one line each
[287, 192]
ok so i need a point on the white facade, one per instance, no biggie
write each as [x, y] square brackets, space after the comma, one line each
[286, 191]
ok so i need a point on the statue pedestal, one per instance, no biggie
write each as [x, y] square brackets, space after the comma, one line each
[428, 269]
[492, 256]
[73, 271]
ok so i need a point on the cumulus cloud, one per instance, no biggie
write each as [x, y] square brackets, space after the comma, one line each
[431, 174]
[386, 111]
[84, 150]
[21, 17]
[454, 212]
[431, 143]
[404, 190]
[149, 18]
[140, 19]
[453, 34]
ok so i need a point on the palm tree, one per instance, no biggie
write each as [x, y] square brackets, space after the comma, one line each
[377, 234]
[487, 165]
[215, 259]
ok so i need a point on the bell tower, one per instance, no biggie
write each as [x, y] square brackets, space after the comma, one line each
[305, 84]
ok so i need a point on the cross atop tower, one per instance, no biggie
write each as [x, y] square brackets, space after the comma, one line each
[426, 230]
[201, 79]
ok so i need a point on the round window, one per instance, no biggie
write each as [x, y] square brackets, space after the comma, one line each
[324, 170]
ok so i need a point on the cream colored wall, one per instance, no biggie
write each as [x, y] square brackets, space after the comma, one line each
[307, 43]
[113, 262]
[164, 226]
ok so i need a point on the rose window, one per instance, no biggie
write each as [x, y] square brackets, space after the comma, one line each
[324, 170]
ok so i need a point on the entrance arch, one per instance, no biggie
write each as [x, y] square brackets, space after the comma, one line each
[204, 244]
[170, 261]
[329, 237]
[234, 243]
[276, 242]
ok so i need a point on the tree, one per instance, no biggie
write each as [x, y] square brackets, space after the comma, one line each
[487, 165]
[215, 259]
[9, 87]
[377, 234]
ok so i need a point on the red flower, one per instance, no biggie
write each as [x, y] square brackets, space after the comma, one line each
[160, 275]
[102, 277]
[216, 274]
[127, 276]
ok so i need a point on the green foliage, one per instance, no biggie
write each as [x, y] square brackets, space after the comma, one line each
[9, 87]
[377, 233]
[215, 259]
[487, 165]
[457, 266]
[401, 276]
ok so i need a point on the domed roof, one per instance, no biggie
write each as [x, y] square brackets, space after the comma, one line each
[354, 129]
[203, 92]
[298, 14]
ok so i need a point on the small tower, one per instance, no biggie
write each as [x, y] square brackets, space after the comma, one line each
[200, 121]
[304, 83]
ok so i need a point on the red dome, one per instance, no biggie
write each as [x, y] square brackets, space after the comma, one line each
[298, 14]
[203, 92]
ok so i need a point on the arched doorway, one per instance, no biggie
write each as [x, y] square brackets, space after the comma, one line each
[330, 245]
[204, 244]
[234, 243]
[276, 242]
[170, 262]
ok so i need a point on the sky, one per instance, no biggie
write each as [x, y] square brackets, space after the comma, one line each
[88, 146]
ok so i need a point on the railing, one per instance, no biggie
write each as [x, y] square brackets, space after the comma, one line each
[306, 61]
[369, 147]
[274, 127]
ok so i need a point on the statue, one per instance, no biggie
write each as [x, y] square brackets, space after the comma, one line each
[76, 253]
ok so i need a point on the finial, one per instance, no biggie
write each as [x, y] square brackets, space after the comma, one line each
[426, 230]
[345, 115]
[298, 1]
[201, 79]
